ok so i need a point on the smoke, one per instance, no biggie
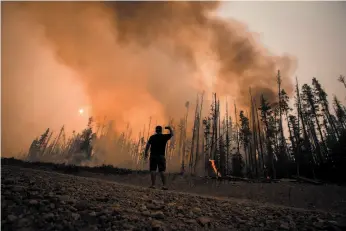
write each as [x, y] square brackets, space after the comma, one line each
[141, 59]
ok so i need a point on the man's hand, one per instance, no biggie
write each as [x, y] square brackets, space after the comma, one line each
[170, 130]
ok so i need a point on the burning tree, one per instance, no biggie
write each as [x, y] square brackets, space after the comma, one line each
[315, 146]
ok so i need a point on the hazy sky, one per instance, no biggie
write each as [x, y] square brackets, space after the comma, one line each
[313, 32]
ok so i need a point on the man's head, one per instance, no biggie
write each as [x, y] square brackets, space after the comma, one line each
[158, 129]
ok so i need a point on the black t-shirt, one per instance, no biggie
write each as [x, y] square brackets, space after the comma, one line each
[158, 144]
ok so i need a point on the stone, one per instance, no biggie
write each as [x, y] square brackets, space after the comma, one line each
[103, 217]
[64, 198]
[92, 214]
[18, 188]
[171, 204]
[127, 226]
[180, 208]
[90, 218]
[204, 221]
[23, 222]
[191, 221]
[146, 213]
[158, 215]
[284, 226]
[48, 216]
[239, 220]
[155, 207]
[75, 216]
[157, 202]
[11, 218]
[82, 205]
[33, 202]
[318, 225]
[157, 225]
[196, 210]
[51, 194]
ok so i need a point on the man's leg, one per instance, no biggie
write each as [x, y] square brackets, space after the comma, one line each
[163, 178]
[162, 169]
[153, 167]
[153, 178]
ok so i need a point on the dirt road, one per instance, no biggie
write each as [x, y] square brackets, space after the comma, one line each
[39, 200]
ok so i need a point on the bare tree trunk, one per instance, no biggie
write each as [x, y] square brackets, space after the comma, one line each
[283, 146]
[45, 146]
[56, 140]
[199, 124]
[185, 137]
[259, 135]
[300, 114]
[195, 124]
[237, 128]
[221, 151]
[227, 139]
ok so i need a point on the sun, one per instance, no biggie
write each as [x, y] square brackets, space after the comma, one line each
[81, 111]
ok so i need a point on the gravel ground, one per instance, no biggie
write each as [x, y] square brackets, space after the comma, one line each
[39, 200]
[331, 198]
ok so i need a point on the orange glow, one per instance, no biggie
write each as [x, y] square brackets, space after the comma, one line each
[214, 167]
[57, 56]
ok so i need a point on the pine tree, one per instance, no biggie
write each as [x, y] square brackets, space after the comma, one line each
[321, 97]
[207, 146]
[43, 138]
[311, 117]
[285, 108]
[34, 150]
[279, 144]
[245, 134]
[341, 79]
[340, 112]
[281, 139]
[267, 118]
[304, 150]
[86, 139]
[237, 164]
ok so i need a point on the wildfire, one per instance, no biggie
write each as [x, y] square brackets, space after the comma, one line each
[214, 167]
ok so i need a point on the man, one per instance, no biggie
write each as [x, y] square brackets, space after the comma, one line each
[157, 144]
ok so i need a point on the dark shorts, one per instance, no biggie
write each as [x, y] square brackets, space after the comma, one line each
[158, 162]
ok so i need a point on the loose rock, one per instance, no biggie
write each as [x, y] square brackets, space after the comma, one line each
[37, 200]
[204, 221]
[158, 215]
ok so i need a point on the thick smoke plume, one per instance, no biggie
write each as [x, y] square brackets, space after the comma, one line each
[142, 59]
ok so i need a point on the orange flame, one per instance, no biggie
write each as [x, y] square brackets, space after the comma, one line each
[214, 167]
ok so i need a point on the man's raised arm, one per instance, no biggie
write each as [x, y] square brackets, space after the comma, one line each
[170, 130]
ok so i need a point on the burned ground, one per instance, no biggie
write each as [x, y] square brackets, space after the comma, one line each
[46, 200]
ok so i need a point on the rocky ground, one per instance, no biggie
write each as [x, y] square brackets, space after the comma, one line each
[292, 194]
[326, 197]
[40, 200]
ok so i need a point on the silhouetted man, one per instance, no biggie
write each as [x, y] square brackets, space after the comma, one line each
[157, 144]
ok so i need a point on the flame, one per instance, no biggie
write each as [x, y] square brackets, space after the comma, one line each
[214, 167]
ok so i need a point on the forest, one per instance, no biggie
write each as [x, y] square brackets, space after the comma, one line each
[271, 140]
